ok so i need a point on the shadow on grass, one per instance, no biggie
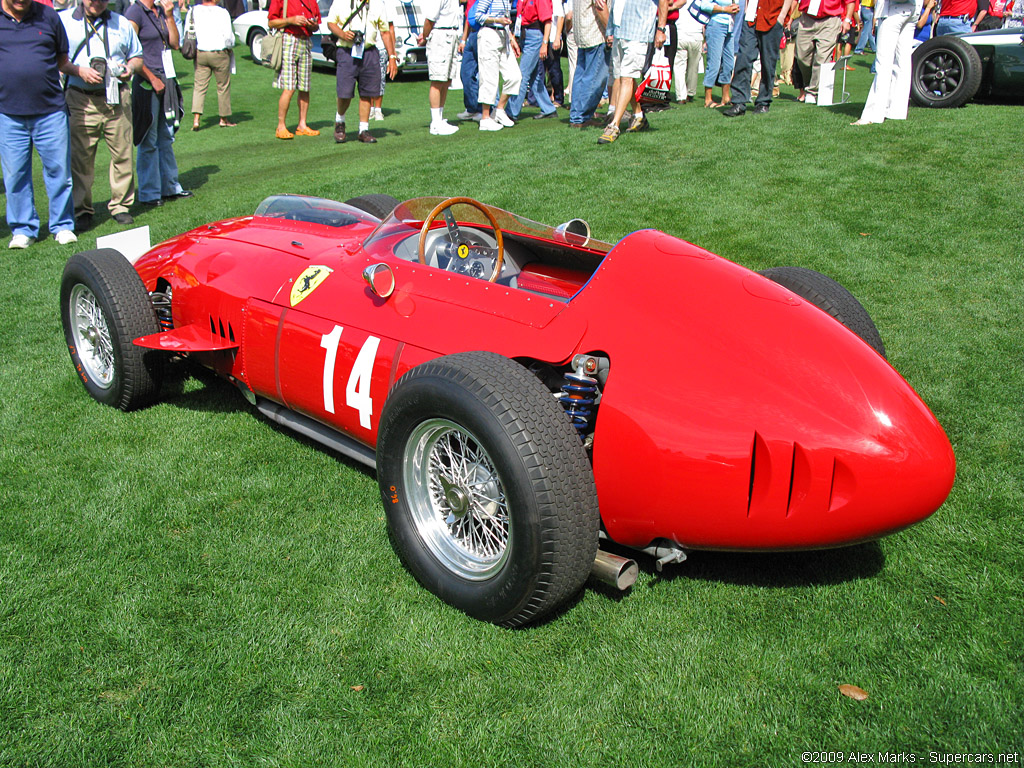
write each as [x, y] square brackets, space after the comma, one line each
[220, 396]
[194, 178]
[763, 569]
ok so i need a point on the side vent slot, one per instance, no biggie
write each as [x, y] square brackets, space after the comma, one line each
[799, 479]
[760, 473]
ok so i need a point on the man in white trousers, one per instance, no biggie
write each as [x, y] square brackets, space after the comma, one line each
[889, 96]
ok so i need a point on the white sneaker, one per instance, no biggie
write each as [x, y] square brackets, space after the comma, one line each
[376, 113]
[467, 115]
[66, 237]
[486, 124]
[810, 98]
[21, 241]
[501, 117]
[442, 128]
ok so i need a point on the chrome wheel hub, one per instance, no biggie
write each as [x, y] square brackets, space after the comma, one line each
[92, 336]
[457, 499]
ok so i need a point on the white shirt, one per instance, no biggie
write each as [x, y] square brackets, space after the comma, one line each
[446, 14]
[213, 27]
[373, 18]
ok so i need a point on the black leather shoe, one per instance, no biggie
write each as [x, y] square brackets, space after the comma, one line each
[152, 203]
[83, 222]
[124, 219]
[339, 133]
[761, 109]
[183, 193]
[366, 138]
[735, 111]
[544, 115]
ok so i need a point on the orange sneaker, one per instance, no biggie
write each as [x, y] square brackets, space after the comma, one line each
[284, 133]
[307, 131]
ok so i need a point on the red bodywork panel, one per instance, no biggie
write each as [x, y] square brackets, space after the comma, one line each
[735, 415]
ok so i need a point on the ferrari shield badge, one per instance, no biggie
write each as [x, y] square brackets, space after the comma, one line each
[463, 250]
[307, 282]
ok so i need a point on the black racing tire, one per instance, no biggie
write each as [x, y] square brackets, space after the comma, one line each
[255, 42]
[946, 73]
[830, 297]
[104, 305]
[380, 206]
[489, 494]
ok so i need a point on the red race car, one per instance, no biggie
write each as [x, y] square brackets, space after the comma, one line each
[525, 391]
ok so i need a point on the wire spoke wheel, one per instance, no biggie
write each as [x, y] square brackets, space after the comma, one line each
[92, 336]
[457, 499]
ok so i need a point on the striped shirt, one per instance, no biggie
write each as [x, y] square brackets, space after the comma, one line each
[633, 20]
[492, 9]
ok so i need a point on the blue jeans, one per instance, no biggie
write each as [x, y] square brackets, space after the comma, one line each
[720, 54]
[952, 25]
[867, 34]
[51, 138]
[528, 64]
[154, 159]
[470, 74]
[589, 81]
[754, 45]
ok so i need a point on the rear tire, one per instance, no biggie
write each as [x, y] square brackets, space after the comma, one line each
[830, 297]
[104, 306]
[946, 73]
[380, 206]
[489, 494]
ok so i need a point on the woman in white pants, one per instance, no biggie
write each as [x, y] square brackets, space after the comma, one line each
[496, 52]
[889, 96]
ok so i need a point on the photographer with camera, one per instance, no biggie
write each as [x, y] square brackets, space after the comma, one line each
[360, 25]
[105, 43]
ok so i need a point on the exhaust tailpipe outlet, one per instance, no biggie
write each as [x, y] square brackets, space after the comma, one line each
[615, 571]
[574, 232]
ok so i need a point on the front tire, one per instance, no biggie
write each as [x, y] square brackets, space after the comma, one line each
[489, 494]
[830, 297]
[946, 73]
[104, 306]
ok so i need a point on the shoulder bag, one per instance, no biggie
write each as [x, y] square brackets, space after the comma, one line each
[188, 42]
[272, 46]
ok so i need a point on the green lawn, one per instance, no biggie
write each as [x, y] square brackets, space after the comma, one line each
[190, 585]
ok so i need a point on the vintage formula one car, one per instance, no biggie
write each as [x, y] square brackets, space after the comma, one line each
[949, 71]
[525, 391]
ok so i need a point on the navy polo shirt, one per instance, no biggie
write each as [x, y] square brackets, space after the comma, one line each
[30, 84]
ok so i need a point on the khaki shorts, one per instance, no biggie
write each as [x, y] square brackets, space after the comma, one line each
[296, 63]
[441, 47]
[628, 57]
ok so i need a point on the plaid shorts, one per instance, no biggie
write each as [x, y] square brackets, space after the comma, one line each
[296, 63]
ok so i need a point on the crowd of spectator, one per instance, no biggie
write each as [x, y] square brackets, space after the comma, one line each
[103, 69]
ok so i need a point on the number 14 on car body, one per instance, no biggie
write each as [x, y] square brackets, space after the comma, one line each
[357, 391]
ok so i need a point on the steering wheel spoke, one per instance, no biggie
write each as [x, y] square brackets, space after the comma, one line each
[465, 251]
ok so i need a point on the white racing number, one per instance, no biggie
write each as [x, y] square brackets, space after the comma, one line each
[357, 391]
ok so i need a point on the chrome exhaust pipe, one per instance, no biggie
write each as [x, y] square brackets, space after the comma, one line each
[574, 232]
[615, 571]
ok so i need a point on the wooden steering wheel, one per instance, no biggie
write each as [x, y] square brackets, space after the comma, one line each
[463, 255]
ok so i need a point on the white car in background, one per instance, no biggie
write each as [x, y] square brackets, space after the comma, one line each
[252, 27]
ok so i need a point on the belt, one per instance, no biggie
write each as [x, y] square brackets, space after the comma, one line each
[86, 91]
[533, 25]
[965, 17]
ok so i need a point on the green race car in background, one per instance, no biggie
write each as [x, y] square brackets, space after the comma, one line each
[950, 71]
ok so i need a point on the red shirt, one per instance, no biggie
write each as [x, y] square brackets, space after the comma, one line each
[959, 8]
[767, 14]
[534, 11]
[829, 8]
[307, 8]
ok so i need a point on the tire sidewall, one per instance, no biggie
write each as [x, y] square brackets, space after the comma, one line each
[970, 66]
[503, 594]
[78, 273]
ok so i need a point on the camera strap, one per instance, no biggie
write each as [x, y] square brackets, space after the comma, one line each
[355, 12]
